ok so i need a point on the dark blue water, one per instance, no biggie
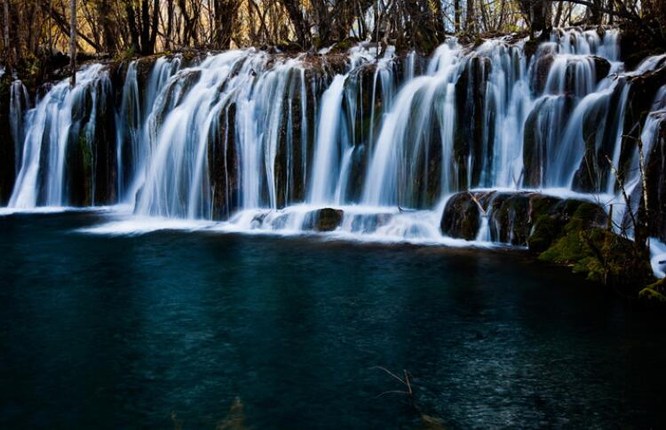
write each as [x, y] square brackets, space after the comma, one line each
[165, 330]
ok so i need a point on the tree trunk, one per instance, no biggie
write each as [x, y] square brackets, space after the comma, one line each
[323, 22]
[538, 14]
[7, 42]
[299, 21]
[156, 23]
[133, 30]
[596, 16]
[72, 40]
[456, 16]
[225, 18]
[558, 16]
[469, 20]
[104, 13]
[169, 27]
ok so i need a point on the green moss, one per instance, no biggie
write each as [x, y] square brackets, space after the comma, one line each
[601, 255]
[546, 230]
[566, 250]
[125, 55]
[654, 293]
[345, 45]
[589, 214]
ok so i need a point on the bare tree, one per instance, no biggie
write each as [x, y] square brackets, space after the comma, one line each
[456, 15]
[72, 40]
[470, 18]
[7, 42]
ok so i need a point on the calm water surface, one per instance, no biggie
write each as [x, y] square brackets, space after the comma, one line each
[166, 329]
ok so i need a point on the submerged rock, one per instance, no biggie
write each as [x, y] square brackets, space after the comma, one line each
[326, 219]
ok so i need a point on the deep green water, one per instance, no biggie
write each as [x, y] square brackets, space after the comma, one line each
[126, 332]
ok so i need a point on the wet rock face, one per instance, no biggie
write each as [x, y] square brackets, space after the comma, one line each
[288, 166]
[541, 70]
[602, 67]
[641, 95]
[469, 131]
[326, 219]
[544, 64]
[90, 176]
[656, 180]
[223, 165]
[7, 168]
[542, 133]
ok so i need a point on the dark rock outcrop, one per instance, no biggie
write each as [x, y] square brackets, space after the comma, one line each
[461, 217]
[470, 141]
[519, 218]
[326, 219]
[566, 232]
[540, 73]
[223, 164]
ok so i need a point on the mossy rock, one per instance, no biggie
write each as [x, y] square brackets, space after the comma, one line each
[546, 229]
[568, 215]
[601, 255]
[519, 218]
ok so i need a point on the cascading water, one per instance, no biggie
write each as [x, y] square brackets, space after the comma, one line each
[19, 103]
[327, 159]
[265, 140]
[64, 120]
[131, 120]
[395, 175]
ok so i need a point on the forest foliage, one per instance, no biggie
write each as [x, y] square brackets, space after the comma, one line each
[40, 28]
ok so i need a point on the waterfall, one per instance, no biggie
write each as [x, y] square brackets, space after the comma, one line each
[326, 165]
[265, 140]
[131, 120]
[407, 132]
[63, 120]
[19, 103]
[178, 129]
